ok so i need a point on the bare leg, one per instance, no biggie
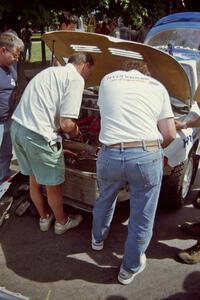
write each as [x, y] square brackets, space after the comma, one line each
[55, 200]
[37, 198]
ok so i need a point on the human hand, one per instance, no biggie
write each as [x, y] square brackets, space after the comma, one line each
[76, 135]
[178, 124]
[78, 138]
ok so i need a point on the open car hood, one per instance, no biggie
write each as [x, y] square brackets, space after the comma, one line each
[109, 54]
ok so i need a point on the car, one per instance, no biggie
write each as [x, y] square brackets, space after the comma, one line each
[178, 35]
[81, 188]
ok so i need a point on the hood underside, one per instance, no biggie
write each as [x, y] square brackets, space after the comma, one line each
[109, 54]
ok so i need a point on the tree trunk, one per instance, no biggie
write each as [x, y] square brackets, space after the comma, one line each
[43, 48]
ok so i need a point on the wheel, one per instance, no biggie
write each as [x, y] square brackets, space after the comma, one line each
[176, 188]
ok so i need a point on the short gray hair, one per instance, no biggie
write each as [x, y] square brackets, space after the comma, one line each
[11, 41]
[81, 57]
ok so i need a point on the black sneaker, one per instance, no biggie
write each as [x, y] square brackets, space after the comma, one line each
[191, 255]
[191, 228]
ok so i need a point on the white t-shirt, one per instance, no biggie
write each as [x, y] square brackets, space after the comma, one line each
[131, 104]
[53, 93]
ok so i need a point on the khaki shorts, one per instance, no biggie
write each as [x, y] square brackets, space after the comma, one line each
[36, 157]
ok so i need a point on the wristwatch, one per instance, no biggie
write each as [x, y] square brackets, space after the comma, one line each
[184, 125]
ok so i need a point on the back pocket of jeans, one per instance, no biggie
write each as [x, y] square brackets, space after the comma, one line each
[151, 172]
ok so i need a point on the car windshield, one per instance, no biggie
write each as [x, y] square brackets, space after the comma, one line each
[185, 37]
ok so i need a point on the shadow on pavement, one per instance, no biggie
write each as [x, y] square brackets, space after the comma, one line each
[46, 257]
[191, 285]
[167, 233]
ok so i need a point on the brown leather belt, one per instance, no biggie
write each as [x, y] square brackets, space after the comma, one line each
[136, 144]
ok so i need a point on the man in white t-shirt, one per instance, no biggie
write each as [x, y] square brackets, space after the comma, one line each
[50, 103]
[136, 119]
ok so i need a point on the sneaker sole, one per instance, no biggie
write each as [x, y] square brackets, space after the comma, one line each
[127, 281]
[59, 232]
[46, 228]
[97, 248]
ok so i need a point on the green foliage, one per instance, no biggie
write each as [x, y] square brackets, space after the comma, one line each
[46, 12]
[21, 12]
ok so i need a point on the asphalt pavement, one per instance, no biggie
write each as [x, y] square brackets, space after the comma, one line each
[44, 266]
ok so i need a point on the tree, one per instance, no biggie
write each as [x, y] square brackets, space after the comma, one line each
[43, 12]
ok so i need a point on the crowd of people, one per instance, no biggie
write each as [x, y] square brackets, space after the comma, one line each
[137, 122]
[116, 28]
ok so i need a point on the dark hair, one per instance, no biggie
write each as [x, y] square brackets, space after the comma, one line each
[81, 57]
[133, 64]
[68, 20]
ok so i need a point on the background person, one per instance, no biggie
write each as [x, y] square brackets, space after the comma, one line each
[142, 32]
[51, 101]
[10, 48]
[26, 35]
[136, 117]
[67, 22]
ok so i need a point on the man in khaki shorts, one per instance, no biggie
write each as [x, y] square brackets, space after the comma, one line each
[50, 102]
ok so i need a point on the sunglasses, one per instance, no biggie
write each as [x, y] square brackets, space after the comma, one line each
[15, 54]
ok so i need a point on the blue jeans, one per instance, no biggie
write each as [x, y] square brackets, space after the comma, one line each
[142, 170]
[5, 150]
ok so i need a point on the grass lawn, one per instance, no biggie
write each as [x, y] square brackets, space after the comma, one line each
[36, 55]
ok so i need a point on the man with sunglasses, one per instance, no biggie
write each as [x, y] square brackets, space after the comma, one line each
[10, 49]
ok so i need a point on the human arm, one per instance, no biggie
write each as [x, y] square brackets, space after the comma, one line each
[69, 126]
[168, 130]
[70, 108]
[166, 123]
[55, 62]
[194, 122]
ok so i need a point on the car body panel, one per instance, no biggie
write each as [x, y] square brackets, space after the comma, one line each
[179, 18]
[109, 54]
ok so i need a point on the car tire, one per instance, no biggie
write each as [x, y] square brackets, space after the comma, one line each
[176, 188]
